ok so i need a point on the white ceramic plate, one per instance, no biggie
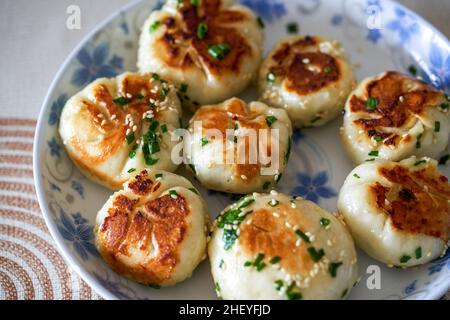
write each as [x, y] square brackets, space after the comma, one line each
[378, 35]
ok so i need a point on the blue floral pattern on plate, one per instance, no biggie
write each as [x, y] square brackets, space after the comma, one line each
[313, 187]
[317, 164]
[75, 229]
[269, 10]
[94, 64]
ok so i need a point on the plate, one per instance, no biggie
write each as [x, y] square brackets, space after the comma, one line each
[378, 36]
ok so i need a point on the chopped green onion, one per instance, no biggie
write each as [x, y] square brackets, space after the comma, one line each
[164, 128]
[273, 203]
[315, 255]
[195, 3]
[173, 194]
[327, 69]
[437, 126]
[266, 185]
[155, 76]
[302, 235]
[270, 120]
[260, 22]
[356, 176]
[132, 153]
[247, 264]
[332, 268]
[418, 253]
[418, 142]
[155, 25]
[404, 258]
[219, 51]
[292, 27]
[130, 138]
[275, 260]
[371, 103]
[419, 162]
[158, 175]
[377, 138]
[413, 70]
[204, 141]
[183, 88]
[131, 170]
[163, 93]
[324, 222]
[202, 29]
[278, 284]
[121, 101]
[373, 153]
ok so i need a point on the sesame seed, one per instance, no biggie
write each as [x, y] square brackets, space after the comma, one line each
[276, 214]
[128, 131]
[288, 224]
[103, 122]
[243, 177]
[306, 61]
[273, 192]
[134, 128]
[100, 115]
[113, 117]
[329, 243]
[102, 104]
[298, 242]
[401, 98]
[128, 95]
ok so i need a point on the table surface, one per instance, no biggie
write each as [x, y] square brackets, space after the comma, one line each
[35, 42]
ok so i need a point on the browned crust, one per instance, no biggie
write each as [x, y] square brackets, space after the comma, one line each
[391, 111]
[269, 235]
[421, 204]
[112, 131]
[183, 49]
[159, 224]
[236, 113]
[288, 64]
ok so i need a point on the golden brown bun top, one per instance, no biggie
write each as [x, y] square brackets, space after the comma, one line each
[304, 78]
[399, 99]
[159, 226]
[183, 49]
[419, 201]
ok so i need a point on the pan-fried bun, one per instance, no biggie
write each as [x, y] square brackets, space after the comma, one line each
[211, 50]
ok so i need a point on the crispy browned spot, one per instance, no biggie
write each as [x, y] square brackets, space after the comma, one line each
[237, 113]
[158, 225]
[390, 111]
[419, 201]
[183, 49]
[141, 184]
[269, 235]
[112, 133]
[300, 77]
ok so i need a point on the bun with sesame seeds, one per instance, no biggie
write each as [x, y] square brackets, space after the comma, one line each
[155, 230]
[238, 147]
[308, 76]
[272, 246]
[393, 116]
[210, 48]
[398, 212]
[117, 126]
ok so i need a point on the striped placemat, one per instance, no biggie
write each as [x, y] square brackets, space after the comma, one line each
[30, 264]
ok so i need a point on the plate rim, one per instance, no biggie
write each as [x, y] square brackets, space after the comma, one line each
[41, 123]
